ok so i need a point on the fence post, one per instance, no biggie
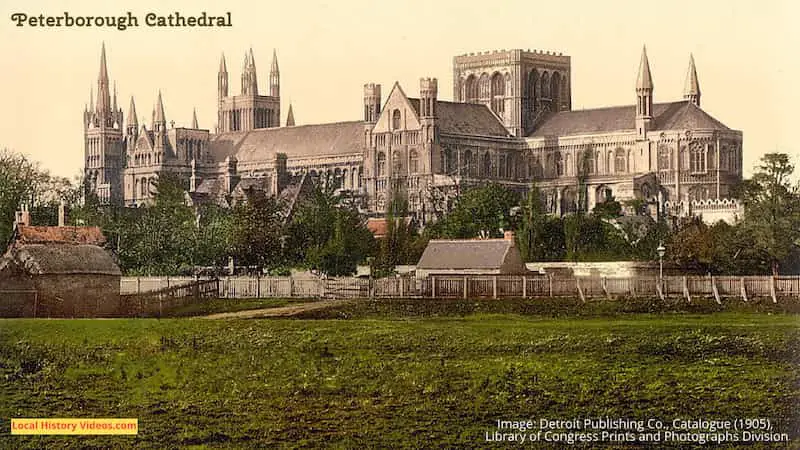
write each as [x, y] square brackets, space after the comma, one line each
[580, 291]
[772, 289]
[465, 286]
[291, 286]
[494, 287]
[686, 290]
[168, 282]
[433, 286]
[550, 279]
[258, 286]
[605, 288]
[524, 287]
[35, 302]
[742, 289]
[714, 290]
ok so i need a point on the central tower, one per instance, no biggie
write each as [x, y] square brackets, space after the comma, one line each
[248, 110]
[521, 87]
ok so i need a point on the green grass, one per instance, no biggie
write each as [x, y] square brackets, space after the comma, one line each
[402, 382]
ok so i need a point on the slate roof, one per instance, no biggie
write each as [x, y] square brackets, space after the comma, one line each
[682, 115]
[465, 118]
[61, 259]
[299, 141]
[483, 254]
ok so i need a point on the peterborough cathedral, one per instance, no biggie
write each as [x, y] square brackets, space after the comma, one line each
[510, 122]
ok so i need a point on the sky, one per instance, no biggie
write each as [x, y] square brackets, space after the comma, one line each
[745, 52]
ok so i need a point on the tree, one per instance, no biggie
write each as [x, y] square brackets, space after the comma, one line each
[327, 235]
[772, 208]
[402, 244]
[483, 211]
[18, 180]
[530, 234]
[257, 231]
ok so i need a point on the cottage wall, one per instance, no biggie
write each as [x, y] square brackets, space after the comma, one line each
[78, 295]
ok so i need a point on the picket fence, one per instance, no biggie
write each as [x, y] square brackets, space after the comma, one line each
[491, 286]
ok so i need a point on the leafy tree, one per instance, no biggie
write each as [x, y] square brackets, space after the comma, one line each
[327, 235]
[480, 212]
[531, 235]
[18, 180]
[402, 244]
[257, 231]
[772, 208]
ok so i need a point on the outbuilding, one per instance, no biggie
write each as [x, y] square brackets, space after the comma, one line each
[471, 257]
[58, 272]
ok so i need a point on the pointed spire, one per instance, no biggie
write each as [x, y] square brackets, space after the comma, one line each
[252, 58]
[159, 114]
[290, 117]
[223, 68]
[103, 69]
[274, 68]
[644, 80]
[194, 119]
[91, 98]
[132, 115]
[114, 101]
[691, 88]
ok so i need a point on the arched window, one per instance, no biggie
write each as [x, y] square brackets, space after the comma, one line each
[471, 89]
[484, 87]
[380, 167]
[545, 85]
[609, 162]
[498, 93]
[555, 91]
[697, 158]
[589, 163]
[144, 187]
[664, 157]
[533, 91]
[487, 165]
[397, 163]
[620, 161]
[468, 163]
[413, 161]
[559, 165]
[396, 119]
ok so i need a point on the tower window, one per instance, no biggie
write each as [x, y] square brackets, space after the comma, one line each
[380, 168]
[396, 119]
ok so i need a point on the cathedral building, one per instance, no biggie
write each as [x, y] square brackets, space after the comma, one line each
[510, 122]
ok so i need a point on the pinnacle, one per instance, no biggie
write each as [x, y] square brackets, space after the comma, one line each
[644, 80]
[692, 86]
[274, 67]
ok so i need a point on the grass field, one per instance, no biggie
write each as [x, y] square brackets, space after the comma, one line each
[392, 379]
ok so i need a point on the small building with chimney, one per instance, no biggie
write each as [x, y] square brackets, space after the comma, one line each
[61, 271]
[471, 257]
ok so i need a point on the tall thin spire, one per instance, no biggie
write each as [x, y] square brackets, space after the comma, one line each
[644, 80]
[274, 76]
[160, 117]
[274, 67]
[691, 88]
[103, 96]
[114, 101]
[194, 119]
[249, 78]
[223, 68]
[91, 98]
[290, 117]
[132, 114]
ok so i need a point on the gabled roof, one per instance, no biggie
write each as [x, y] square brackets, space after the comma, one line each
[298, 141]
[477, 254]
[27, 234]
[61, 259]
[465, 118]
[682, 115]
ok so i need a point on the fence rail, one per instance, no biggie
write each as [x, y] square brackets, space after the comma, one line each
[489, 286]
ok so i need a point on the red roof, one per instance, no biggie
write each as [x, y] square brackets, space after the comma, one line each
[27, 234]
[377, 227]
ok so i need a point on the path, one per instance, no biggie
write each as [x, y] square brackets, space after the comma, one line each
[283, 311]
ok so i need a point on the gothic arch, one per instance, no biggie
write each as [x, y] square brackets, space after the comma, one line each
[498, 91]
[413, 161]
[533, 90]
[545, 83]
[380, 165]
[484, 87]
[396, 119]
[555, 91]
[620, 161]
[487, 165]
[471, 89]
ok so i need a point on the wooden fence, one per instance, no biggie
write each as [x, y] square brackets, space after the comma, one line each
[487, 286]
[156, 301]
